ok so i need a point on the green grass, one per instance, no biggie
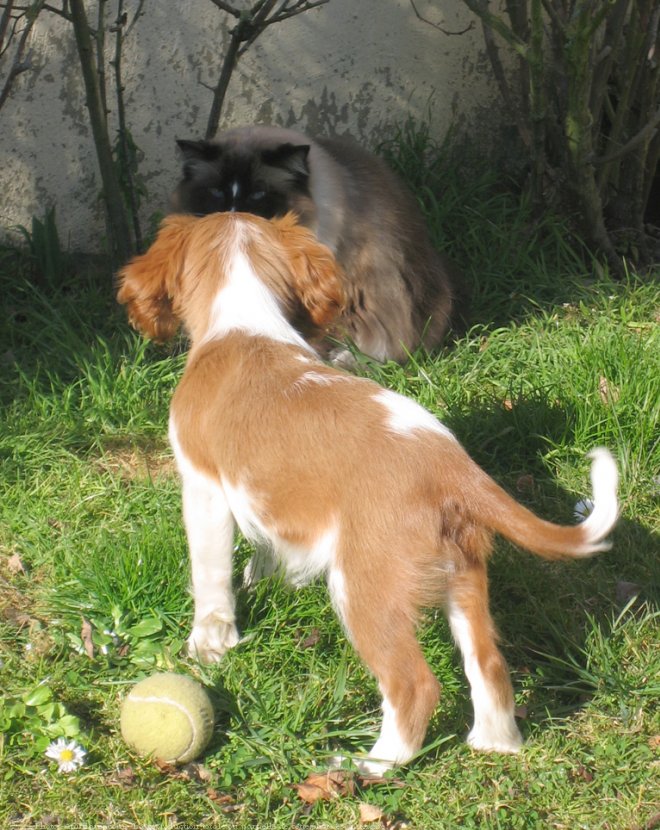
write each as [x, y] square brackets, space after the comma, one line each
[556, 360]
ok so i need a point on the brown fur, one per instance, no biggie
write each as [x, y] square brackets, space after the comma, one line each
[315, 449]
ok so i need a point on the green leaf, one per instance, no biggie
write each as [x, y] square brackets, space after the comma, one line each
[145, 628]
[38, 696]
[69, 726]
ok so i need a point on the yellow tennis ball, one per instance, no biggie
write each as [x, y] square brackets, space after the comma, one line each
[167, 716]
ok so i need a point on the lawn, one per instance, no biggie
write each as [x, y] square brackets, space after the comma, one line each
[556, 358]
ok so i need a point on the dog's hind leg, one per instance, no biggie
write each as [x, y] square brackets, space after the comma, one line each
[383, 634]
[494, 727]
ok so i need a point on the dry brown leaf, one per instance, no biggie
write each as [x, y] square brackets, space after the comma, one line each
[165, 768]
[310, 793]
[218, 797]
[584, 774]
[654, 742]
[15, 565]
[507, 403]
[312, 639]
[609, 394]
[326, 785]
[369, 813]
[224, 801]
[196, 772]
[124, 777]
[86, 637]
[525, 483]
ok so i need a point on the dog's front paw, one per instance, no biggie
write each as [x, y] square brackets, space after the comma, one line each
[210, 639]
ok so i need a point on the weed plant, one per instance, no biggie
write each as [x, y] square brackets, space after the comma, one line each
[555, 358]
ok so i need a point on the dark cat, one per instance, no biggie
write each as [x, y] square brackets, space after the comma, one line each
[400, 290]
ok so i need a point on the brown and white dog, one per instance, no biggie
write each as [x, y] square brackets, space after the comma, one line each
[334, 474]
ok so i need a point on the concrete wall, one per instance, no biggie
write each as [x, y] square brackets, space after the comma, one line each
[352, 66]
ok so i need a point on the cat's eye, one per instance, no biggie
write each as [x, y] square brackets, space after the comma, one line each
[257, 195]
[217, 194]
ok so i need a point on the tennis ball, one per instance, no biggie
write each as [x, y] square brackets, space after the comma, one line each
[168, 716]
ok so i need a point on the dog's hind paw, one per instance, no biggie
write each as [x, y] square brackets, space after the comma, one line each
[261, 566]
[504, 739]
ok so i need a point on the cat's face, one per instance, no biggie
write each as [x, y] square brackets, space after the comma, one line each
[218, 178]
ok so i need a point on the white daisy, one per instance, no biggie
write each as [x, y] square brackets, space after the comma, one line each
[68, 754]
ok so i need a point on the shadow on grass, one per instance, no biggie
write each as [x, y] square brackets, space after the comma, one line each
[547, 612]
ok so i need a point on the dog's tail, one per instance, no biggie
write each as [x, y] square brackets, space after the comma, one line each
[500, 512]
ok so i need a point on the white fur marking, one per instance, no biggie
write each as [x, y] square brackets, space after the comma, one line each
[246, 304]
[390, 749]
[494, 727]
[318, 378]
[304, 565]
[241, 504]
[301, 564]
[604, 481]
[406, 416]
[337, 590]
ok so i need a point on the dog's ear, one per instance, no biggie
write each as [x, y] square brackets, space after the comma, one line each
[148, 284]
[317, 279]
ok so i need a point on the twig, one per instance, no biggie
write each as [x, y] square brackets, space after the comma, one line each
[251, 23]
[118, 230]
[21, 62]
[136, 16]
[437, 26]
[4, 22]
[121, 119]
[641, 136]
[480, 8]
[47, 8]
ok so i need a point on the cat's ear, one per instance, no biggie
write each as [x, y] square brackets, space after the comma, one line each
[197, 155]
[205, 150]
[289, 157]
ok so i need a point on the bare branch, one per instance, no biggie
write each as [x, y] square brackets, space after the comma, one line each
[251, 23]
[4, 22]
[119, 237]
[646, 132]
[437, 26]
[46, 7]
[138, 14]
[226, 7]
[496, 24]
[551, 11]
[21, 62]
[299, 8]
